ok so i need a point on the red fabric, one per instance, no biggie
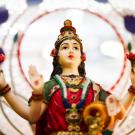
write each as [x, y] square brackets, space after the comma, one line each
[53, 119]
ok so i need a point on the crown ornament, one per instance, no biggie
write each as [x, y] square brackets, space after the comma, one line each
[67, 32]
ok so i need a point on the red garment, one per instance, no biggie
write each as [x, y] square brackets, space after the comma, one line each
[53, 119]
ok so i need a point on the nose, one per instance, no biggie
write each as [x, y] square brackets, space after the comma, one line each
[71, 50]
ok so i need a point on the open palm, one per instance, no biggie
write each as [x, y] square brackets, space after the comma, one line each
[36, 79]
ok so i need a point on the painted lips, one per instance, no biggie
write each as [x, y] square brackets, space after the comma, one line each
[71, 56]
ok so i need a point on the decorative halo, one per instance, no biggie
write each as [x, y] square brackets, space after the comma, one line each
[84, 10]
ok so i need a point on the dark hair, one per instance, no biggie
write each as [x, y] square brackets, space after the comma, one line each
[57, 69]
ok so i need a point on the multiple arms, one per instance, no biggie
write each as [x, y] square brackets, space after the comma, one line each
[33, 112]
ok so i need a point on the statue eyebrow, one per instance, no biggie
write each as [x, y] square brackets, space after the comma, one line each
[64, 43]
[76, 43]
[68, 43]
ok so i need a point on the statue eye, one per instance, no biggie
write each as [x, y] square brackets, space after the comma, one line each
[76, 48]
[64, 47]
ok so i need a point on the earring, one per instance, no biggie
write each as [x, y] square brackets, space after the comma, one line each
[83, 57]
[53, 52]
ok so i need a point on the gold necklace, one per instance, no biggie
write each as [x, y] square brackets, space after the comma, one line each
[73, 89]
[72, 79]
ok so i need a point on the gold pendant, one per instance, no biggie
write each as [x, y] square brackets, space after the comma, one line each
[73, 118]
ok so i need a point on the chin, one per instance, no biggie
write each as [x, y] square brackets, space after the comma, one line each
[71, 62]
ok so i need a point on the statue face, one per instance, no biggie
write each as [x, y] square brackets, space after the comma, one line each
[69, 53]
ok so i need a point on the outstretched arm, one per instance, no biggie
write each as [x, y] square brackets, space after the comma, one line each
[33, 112]
[122, 107]
[37, 107]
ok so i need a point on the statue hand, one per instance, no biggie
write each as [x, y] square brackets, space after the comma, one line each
[113, 105]
[36, 79]
[115, 108]
[2, 80]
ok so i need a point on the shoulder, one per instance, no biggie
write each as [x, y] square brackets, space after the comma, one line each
[95, 86]
[99, 92]
[49, 84]
[49, 89]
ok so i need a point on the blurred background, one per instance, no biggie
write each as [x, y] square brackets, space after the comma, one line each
[29, 29]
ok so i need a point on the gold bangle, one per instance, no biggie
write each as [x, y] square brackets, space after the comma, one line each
[35, 97]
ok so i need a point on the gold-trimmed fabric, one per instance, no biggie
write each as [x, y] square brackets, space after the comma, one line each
[68, 133]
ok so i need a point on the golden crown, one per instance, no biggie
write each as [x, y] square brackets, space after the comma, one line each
[67, 32]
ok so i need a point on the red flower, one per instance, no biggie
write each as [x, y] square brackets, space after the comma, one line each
[2, 57]
[131, 56]
[53, 53]
[83, 57]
